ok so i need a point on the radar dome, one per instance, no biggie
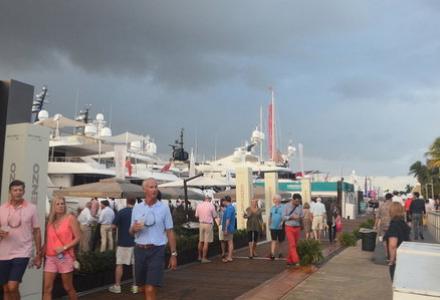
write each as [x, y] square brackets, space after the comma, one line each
[56, 117]
[99, 117]
[43, 115]
[291, 151]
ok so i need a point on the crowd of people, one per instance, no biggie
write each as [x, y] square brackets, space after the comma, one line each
[284, 220]
[142, 230]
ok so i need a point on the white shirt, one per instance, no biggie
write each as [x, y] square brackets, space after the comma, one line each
[318, 209]
[85, 217]
[398, 199]
[106, 216]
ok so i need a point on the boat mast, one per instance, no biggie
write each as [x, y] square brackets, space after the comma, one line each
[261, 130]
[272, 127]
[274, 148]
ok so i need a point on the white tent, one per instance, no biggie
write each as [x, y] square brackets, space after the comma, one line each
[58, 121]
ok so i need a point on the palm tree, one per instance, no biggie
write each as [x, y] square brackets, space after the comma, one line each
[420, 171]
[433, 154]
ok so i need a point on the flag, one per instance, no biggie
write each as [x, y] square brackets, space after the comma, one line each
[166, 168]
[129, 166]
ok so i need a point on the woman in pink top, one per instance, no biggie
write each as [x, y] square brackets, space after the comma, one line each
[62, 235]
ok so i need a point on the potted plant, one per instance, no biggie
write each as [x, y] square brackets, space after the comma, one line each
[310, 253]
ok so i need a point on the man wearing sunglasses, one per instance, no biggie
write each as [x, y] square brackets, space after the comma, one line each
[19, 226]
[152, 226]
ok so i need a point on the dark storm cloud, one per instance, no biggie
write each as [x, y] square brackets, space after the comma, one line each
[174, 42]
[356, 81]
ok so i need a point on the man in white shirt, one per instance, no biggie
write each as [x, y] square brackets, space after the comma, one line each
[86, 220]
[106, 218]
[397, 198]
[318, 212]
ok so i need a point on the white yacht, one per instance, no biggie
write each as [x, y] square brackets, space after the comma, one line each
[83, 152]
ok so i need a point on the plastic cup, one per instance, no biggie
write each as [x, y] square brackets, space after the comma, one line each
[6, 229]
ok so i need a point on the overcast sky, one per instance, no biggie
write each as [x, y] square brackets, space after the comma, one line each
[357, 82]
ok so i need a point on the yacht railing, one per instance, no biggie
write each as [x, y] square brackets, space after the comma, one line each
[70, 159]
[434, 224]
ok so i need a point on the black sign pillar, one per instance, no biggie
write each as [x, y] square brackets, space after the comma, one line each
[15, 107]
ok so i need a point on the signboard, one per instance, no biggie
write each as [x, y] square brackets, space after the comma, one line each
[25, 158]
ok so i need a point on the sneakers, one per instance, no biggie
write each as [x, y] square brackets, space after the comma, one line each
[205, 261]
[116, 289]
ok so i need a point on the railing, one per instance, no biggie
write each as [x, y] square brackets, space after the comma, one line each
[434, 224]
[66, 159]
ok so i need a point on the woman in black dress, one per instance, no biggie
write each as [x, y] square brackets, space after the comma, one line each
[397, 232]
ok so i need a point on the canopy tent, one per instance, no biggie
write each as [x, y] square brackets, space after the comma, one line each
[110, 187]
[58, 121]
[201, 181]
[258, 193]
[178, 192]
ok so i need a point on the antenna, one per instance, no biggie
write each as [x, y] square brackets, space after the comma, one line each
[261, 130]
[39, 101]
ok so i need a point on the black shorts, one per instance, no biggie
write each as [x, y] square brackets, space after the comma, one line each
[253, 236]
[13, 269]
[277, 235]
[149, 265]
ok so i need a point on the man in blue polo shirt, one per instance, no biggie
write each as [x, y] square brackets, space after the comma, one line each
[124, 251]
[152, 226]
[228, 226]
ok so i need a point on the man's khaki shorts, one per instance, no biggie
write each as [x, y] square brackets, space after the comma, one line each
[124, 256]
[205, 233]
[318, 223]
[228, 237]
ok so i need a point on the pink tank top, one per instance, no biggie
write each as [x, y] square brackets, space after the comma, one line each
[59, 237]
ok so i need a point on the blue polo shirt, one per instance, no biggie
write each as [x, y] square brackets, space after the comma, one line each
[276, 216]
[123, 221]
[159, 216]
[229, 214]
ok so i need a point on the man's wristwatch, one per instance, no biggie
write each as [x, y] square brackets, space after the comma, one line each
[174, 253]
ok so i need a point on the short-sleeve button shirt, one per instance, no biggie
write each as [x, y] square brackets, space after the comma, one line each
[156, 233]
[20, 239]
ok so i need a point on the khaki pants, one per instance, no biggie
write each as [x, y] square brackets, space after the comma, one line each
[106, 237]
[86, 234]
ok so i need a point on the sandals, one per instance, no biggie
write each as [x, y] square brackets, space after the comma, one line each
[226, 260]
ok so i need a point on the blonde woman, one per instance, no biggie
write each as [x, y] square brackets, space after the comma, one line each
[307, 221]
[254, 224]
[62, 235]
[398, 231]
